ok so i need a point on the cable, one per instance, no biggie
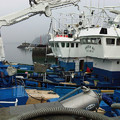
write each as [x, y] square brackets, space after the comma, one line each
[115, 106]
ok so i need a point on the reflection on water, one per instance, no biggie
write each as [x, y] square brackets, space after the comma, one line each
[42, 60]
[14, 54]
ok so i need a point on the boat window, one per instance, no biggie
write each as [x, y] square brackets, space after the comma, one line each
[80, 40]
[83, 41]
[118, 41]
[63, 44]
[93, 40]
[67, 44]
[89, 41]
[76, 45]
[72, 44]
[98, 41]
[56, 45]
[86, 41]
[70, 35]
[110, 41]
[52, 45]
[103, 31]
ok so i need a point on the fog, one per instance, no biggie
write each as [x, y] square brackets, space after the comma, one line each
[29, 29]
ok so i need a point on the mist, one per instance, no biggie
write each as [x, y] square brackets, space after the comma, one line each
[28, 30]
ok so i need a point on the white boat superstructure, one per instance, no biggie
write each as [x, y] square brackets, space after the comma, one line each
[100, 44]
[66, 45]
[71, 41]
[63, 42]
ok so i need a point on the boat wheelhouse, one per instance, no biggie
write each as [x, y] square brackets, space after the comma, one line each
[68, 50]
[100, 44]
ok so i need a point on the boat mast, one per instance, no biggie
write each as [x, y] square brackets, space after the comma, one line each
[90, 5]
[98, 5]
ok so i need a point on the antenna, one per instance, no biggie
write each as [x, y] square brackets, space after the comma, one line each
[90, 5]
[98, 5]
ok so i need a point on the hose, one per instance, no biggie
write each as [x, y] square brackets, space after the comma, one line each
[116, 118]
[61, 111]
[70, 93]
[115, 106]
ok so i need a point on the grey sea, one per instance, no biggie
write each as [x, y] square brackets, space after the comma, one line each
[17, 55]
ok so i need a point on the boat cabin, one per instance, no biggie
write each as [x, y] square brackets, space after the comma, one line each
[101, 45]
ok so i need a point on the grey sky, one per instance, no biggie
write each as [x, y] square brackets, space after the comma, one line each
[37, 25]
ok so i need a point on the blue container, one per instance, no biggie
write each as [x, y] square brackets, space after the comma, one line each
[116, 96]
[11, 94]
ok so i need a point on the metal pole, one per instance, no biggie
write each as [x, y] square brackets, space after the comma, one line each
[45, 77]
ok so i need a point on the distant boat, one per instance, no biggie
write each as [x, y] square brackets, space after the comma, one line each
[24, 45]
[41, 45]
[27, 46]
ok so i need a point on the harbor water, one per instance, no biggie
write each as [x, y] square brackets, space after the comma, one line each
[17, 55]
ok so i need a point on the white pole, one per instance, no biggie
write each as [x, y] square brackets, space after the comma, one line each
[45, 76]
[16, 102]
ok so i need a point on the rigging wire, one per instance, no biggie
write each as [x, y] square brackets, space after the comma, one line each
[58, 22]
[50, 26]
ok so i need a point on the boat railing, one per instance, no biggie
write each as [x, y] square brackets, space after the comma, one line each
[61, 35]
[10, 102]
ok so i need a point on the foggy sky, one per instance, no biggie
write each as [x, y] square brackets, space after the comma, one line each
[29, 29]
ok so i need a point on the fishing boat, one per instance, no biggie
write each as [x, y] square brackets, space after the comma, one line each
[12, 87]
[89, 51]
[88, 99]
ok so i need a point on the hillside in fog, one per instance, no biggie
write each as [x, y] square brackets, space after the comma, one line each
[43, 39]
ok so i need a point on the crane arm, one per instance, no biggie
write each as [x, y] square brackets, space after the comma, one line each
[59, 3]
[117, 18]
[24, 14]
[43, 7]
